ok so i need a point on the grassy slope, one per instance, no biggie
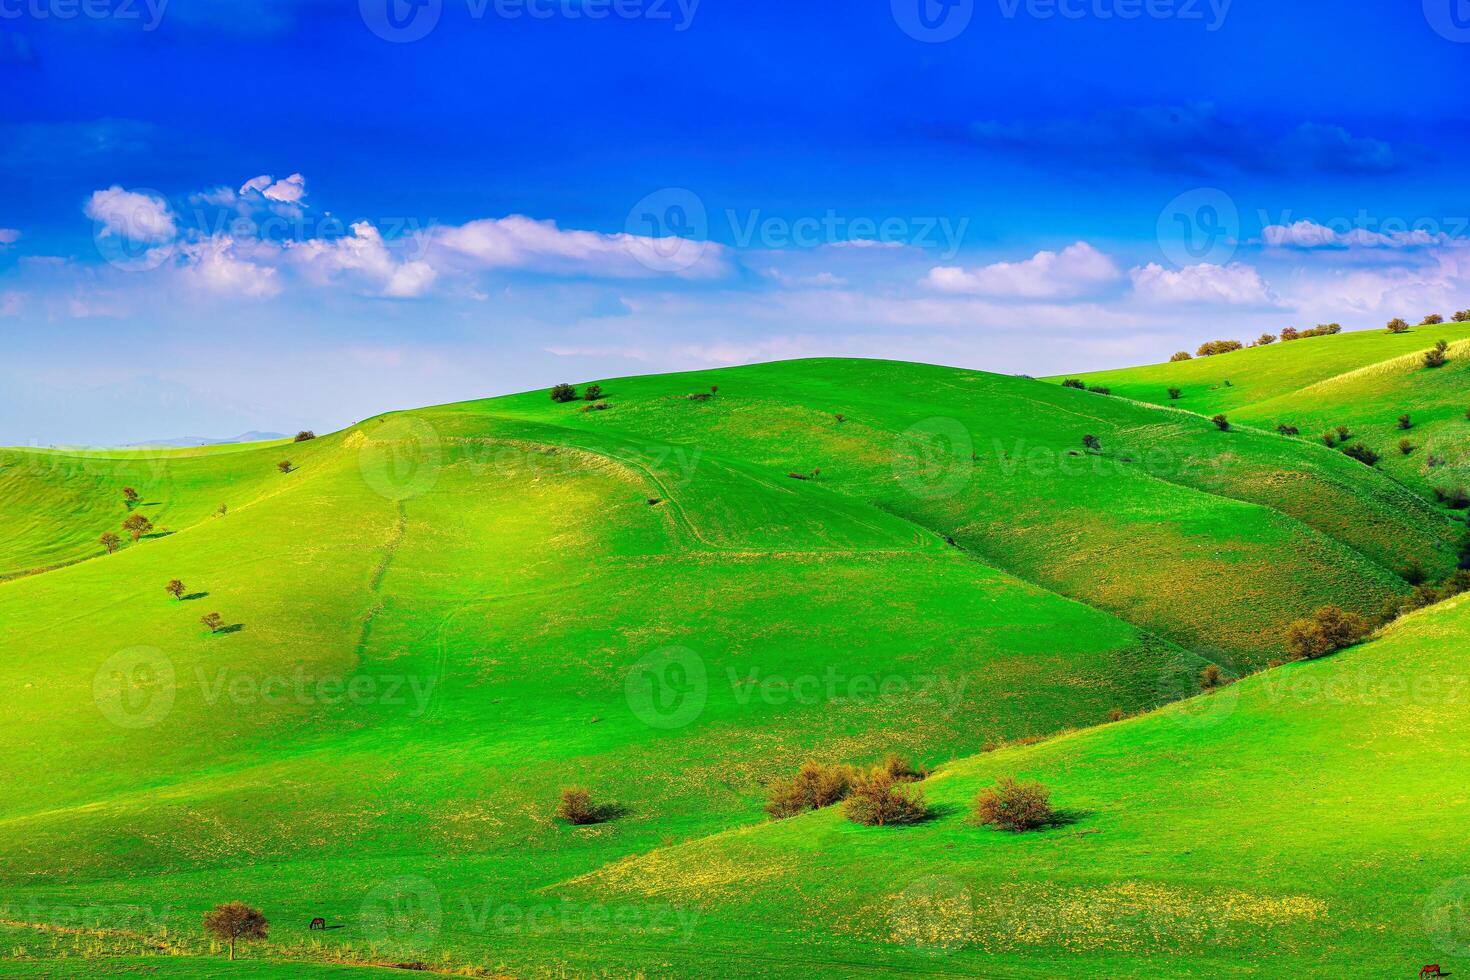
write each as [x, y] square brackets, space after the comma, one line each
[55, 504]
[524, 572]
[1214, 540]
[1364, 380]
[1306, 821]
[519, 587]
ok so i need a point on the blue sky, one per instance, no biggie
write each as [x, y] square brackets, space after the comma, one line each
[231, 215]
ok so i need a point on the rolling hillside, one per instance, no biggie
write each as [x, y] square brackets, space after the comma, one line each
[1306, 821]
[438, 619]
[1364, 380]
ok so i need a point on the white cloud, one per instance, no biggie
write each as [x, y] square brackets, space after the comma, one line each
[1235, 284]
[216, 266]
[1076, 269]
[1310, 234]
[519, 242]
[134, 216]
[821, 280]
[8, 237]
[287, 190]
[365, 254]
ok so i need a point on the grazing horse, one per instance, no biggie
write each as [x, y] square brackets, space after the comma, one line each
[1432, 970]
[318, 923]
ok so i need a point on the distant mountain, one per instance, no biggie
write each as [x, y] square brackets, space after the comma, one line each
[186, 442]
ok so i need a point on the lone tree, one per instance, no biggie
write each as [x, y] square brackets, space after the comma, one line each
[137, 525]
[1398, 325]
[130, 496]
[284, 466]
[1180, 355]
[174, 588]
[1434, 357]
[1014, 806]
[563, 393]
[1221, 423]
[1405, 422]
[1462, 316]
[305, 435]
[1091, 442]
[592, 392]
[576, 807]
[1265, 339]
[1431, 319]
[1210, 678]
[109, 541]
[1290, 333]
[212, 621]
[236, 921]
[1175, 394]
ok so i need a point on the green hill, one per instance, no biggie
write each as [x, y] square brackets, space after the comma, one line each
[1306, 821]
[438, 619]
[1363, 380]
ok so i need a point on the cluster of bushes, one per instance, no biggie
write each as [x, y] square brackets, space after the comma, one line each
[1320, 330]
[879, 796]
[1463, 316]
[1181, 355]
[1427, 595]
[816, 785]
[1436, 356]
[1361, 453]
[1213, 347]
[1264, 339]
[1080, 386]
[567, 393]
[885, 795]
[1326, 631]
[305, 435]
[1455, 498]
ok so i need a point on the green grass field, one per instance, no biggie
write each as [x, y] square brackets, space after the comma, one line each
[438, 619]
